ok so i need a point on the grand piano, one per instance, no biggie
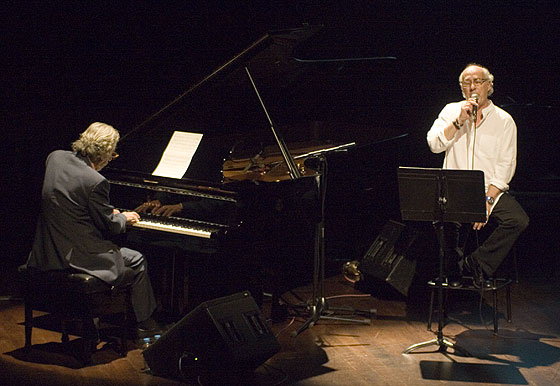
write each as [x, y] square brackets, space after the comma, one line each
[247, 221]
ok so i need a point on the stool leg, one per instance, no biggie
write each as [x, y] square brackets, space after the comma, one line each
[515, 264]
[65, 338]
[429, 327]
[508, 303]
[495, 304]
[123, 346]
[28, 325]
[90, 338]
[123, 343]
[128, 320]
[445, 304]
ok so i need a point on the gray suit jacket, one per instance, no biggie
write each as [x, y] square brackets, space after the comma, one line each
[75, 219]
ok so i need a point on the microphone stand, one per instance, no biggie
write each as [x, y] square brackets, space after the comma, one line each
[319, 306]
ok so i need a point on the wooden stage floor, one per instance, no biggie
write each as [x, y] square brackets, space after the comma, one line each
[525, 352]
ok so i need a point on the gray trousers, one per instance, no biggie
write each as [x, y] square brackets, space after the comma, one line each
[143, 299]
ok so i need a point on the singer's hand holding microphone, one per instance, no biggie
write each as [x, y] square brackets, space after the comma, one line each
[468, 109]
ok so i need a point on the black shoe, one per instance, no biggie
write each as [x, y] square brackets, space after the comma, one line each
[472, 265]
[479, 277]
[451, 281]
[148, 329]
[487, 283]
[436, 281]
[455, 281]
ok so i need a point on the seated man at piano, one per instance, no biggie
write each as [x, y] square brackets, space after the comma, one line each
[77, 218]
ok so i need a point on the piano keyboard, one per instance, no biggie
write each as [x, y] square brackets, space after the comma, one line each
[177, 225]
[172, 229]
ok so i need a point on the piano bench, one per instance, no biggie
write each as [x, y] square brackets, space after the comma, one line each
[71, 296]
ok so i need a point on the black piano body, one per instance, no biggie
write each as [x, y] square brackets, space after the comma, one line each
[251, 233]
[223, 241]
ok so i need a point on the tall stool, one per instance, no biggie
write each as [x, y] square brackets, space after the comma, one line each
[498, 283]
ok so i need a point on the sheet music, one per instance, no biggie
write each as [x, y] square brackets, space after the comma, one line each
[178, 154]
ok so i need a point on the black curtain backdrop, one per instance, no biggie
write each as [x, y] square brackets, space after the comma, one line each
[66, 64]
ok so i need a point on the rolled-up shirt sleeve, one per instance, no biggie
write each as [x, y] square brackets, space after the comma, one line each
[436, 136]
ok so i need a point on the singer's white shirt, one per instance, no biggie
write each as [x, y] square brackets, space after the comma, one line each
[491, 147]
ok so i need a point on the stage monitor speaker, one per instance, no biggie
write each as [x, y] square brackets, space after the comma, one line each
[387, 258]
[226, 335]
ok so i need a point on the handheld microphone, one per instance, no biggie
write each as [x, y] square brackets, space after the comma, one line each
[475, 108]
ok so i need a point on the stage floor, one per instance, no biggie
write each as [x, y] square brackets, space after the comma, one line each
[525, 351]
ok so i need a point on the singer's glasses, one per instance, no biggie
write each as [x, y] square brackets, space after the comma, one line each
[475, 82]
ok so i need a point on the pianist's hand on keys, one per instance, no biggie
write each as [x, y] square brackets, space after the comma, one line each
[131, 217]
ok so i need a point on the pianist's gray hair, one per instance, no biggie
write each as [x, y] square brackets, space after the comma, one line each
[98, 142]
[487, 75]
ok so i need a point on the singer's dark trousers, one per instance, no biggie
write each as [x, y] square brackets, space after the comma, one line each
[510, 219]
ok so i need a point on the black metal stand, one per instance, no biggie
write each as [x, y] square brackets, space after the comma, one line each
[440, 195]
[319, 307]
[319, 303]
[439, 340]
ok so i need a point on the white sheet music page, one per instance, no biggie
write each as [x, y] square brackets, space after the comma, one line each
[178, 154]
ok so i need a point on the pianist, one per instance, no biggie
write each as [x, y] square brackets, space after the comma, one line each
[76, 218]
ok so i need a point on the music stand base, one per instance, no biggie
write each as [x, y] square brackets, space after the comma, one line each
[442, 343]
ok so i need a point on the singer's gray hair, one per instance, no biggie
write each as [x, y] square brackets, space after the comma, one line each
[487, 75]
[97, 143]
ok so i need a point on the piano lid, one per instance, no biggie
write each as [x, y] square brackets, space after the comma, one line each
[312, 99]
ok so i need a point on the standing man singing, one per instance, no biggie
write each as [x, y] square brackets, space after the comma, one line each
[475, 134]
[76, 218]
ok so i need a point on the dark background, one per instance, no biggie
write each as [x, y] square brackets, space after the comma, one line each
[67, 64]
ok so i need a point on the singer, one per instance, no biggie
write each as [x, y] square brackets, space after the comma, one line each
[475, 134]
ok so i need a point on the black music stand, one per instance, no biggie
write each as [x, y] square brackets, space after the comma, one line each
[441, 195]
